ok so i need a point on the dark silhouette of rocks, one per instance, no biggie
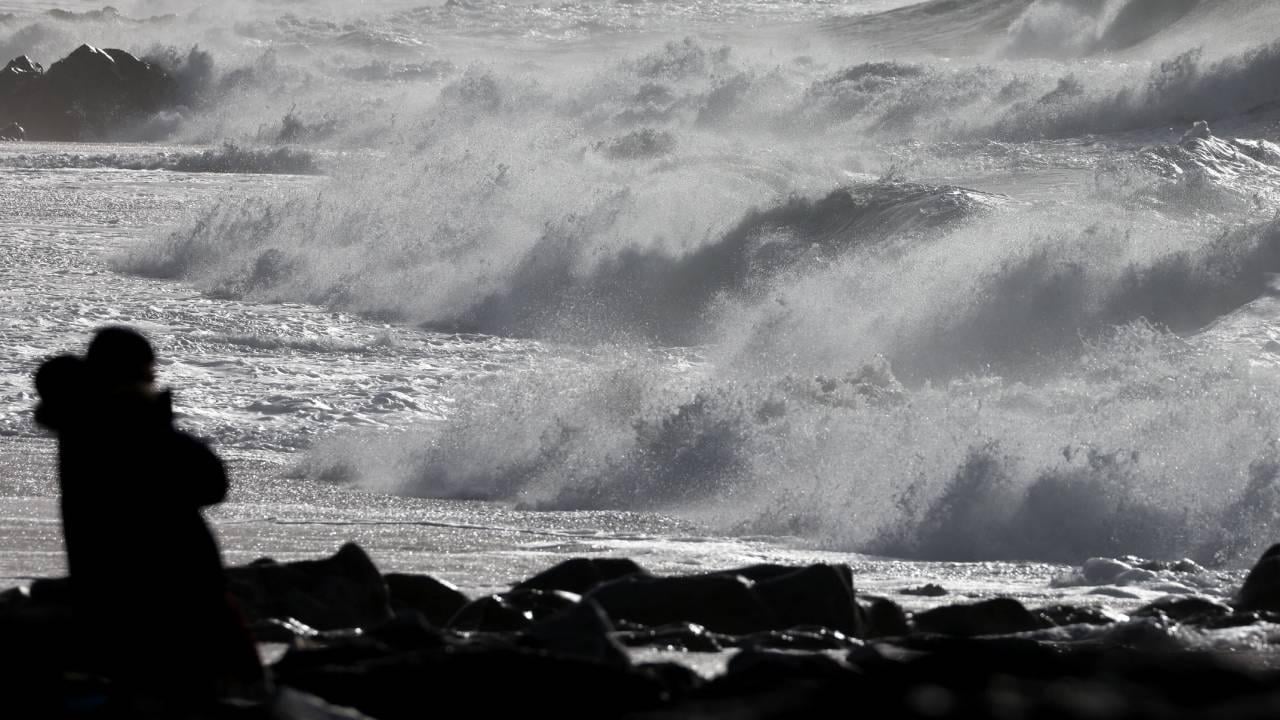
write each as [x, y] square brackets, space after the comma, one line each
[928, 590]
[86, 95]
[539, 649]
[1261, 589]
[342, 591]
[721, 603]
[581, 575]
[515, 610]
[436, 600]
[1184, 609]
[999, 616]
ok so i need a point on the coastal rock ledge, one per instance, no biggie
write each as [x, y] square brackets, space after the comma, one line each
[580, 640]
[87, 95]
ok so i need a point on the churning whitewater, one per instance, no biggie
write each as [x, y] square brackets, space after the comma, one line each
[988, 280]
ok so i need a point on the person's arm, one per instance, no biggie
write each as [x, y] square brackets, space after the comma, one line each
[199, 472]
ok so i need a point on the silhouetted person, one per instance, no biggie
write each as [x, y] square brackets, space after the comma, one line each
[146, 573]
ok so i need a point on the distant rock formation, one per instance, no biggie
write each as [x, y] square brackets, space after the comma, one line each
[82, 96]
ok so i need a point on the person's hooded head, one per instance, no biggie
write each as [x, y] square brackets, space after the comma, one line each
[120, 358]
[61, 383]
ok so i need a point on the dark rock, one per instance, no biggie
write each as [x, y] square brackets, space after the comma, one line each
[680, 636]
[437, 601]
[23, 65]
[1185, 565]
[580, 575]
[1099, 571]
[821, 595]
[809, 639]
[50, 592]
[280, 630]
[1184, 609]
[13, 132]
[767, 684]
[343, 591]
[999, 616]
[1063, 615]
[1261, 589]
[678, 680]
[14, 598]
[930, 590]
[487, 680]
[884, 618]
[720, 603]
[581, 630]
[406, 631]
[758, 598]
[1237, 619]
[86, 94]
[771, 571]
[18, 75]
[511, 611]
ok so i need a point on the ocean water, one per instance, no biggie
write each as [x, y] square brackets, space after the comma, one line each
[953, 292]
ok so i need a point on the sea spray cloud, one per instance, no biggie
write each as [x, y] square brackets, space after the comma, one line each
[1145, 444]
[915, 368]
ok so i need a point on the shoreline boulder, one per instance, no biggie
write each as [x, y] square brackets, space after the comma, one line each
[87, 94]
[342, 591]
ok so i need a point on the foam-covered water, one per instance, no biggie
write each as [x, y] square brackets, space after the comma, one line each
[938, 281]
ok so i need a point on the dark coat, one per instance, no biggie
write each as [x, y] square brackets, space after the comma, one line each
[132, 490]
[144, 566]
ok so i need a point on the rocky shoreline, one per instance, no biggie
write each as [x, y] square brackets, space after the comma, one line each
[804, 643]
[91, 93]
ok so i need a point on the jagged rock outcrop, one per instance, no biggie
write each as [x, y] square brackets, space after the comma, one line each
[86, 95]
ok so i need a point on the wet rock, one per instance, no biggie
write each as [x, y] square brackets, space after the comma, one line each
[18, 75]
[1185, 565]
[488, 680]
[1103, 571]
[929, 590]
[769, 684]
[757, 598]
[721, 603]
[83, 95]
[13, 132]
[438, 601]
[343, 591]
[820, 595]
[511, 611]
[677, 680]
[280, 630]
[999, 616]
[580, 575]
[690, 637]
[810, 639]
[1063, 615]
[884, 618]
[1184, 609]
[1134, 576]
[1199, 131]
[1115, 593]
[581, 630]
[404, 632]
[1261, 589]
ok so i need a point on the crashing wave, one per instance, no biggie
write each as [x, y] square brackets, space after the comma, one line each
[973, 470]
[1075, 28]
[563, 277]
